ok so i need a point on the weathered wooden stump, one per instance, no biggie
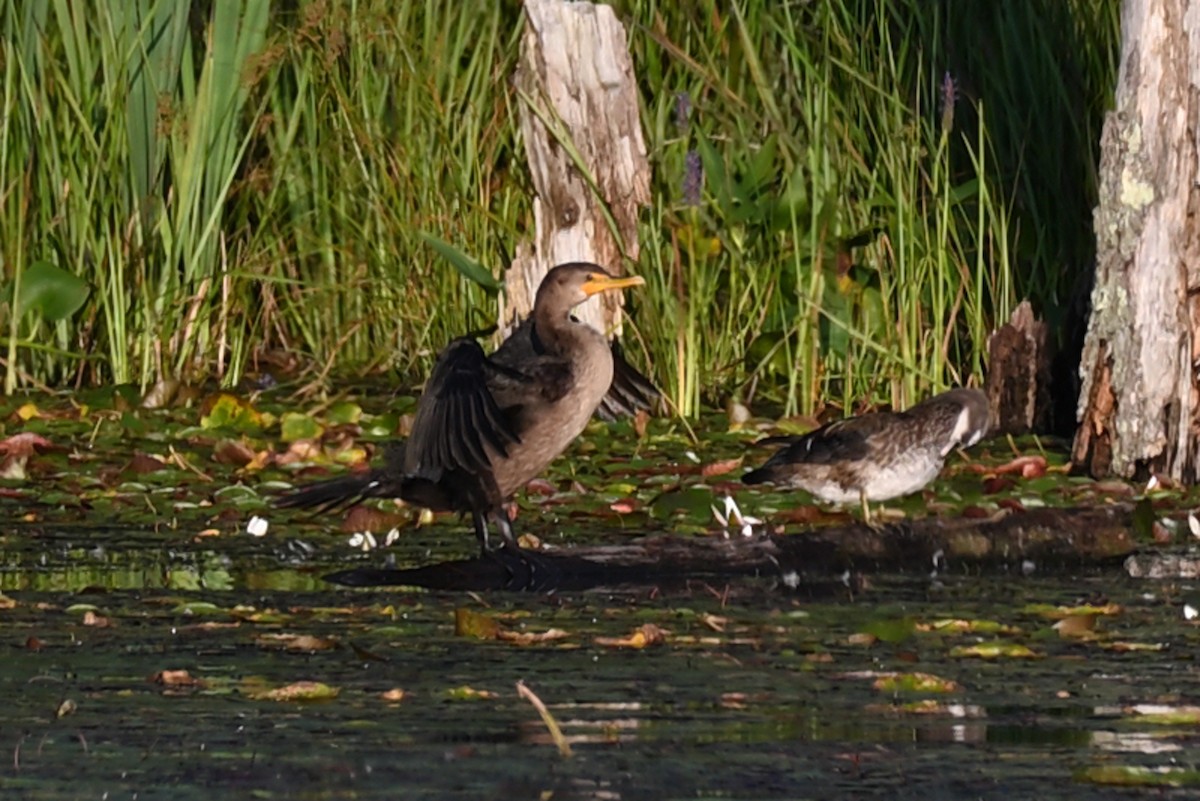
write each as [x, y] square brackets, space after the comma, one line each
[583, 139]
[1018, 382]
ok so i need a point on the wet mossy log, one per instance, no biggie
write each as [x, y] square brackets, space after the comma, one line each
[1042, 539]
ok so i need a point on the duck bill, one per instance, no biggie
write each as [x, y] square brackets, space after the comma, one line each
[604, 283]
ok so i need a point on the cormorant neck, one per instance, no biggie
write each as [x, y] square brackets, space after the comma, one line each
[539, 347]
[554, 331]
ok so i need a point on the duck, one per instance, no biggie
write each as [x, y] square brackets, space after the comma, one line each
[485, 425]
[877, 456]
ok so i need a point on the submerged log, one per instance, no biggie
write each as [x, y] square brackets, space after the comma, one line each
[1041, 539]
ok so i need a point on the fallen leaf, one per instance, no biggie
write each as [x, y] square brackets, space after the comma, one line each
[295, 426]
[176, 678]
[974, 626]
[721, 467]
[27, 411]
[466, 693]
[994, 650]
[641, 421]
[1165, 714]
[394, 695]
[232, 451]
[145, 463]
[90, 618]
[1114, 487]
[226, 411]
[1131, 647]
[531, 637]
[805, 515]
[371, 519]
[1025, 466]
[297, 691]
[891, 629]
[215, 625]
[646, 635]
[24, 444]
[306, 643]
[916, 682]
[468, 623]
[996, 484]
[1136, 776]
[1058, 612]
[302, 450]
[541, 487]
[161, 393]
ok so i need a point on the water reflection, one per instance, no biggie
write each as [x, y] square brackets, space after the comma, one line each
[757, 692]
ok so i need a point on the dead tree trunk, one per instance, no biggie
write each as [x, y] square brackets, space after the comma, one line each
[583, 138]
[1138, 404]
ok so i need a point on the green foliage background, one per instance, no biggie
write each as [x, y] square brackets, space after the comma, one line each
[236, 180]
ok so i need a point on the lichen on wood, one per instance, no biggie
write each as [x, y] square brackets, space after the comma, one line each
[1138, 408]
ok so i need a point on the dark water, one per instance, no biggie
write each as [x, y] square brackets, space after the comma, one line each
[758, 691]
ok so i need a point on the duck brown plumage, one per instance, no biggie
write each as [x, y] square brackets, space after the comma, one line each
[486, 425]
[877, 456]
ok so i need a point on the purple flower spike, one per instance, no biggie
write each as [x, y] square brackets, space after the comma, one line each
[948, 95]
[693, 178]
[683, 110]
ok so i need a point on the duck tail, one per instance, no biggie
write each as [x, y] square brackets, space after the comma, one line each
[759, 476]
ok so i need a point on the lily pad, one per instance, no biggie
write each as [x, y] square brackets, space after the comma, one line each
[294, 426]
[225, 411]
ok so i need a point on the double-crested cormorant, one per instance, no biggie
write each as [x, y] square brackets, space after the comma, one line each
[877, 456]
[486, 425]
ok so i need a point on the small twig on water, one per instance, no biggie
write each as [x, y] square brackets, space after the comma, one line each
[556, 734]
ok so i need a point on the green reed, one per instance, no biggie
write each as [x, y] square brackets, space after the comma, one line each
[848, 196]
